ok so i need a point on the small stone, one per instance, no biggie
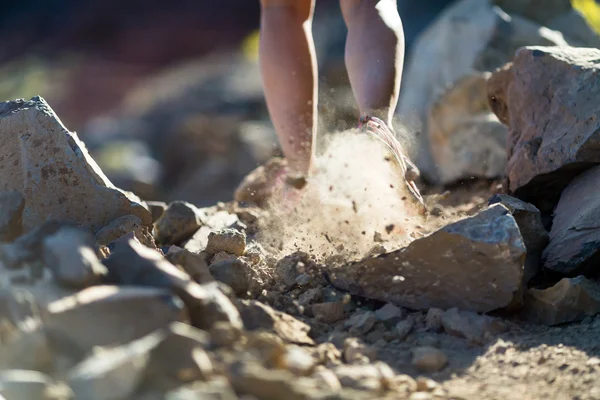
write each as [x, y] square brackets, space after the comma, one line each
[12, 205]
[113, 373]
[290, 267]
[426, 384]
[571, 299]
[299, 361]
[390, 314]
[302, 280]
[178, 223]
[403, 328]
[157, 209]
[309, 297]
[361, 322]
[329, 312]
[222, 256]
[28, 248]
[327, 379]
[259, 316]
[179, 358]
[224, 334]
[361, 377]
[214, 221]
[24, 385]
[121, 227]
[474, 327]
[420, 396]
[70, 254]
[234, 273]
[193, 264]
[433, 320]
[428, 359]
[72, 322]
[228, 240]
[357, 352]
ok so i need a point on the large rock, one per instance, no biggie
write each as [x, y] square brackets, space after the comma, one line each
[466, 138]
[571, 299]
[475, 264]
[12, 205]
[547, 99]
[51, 167]
[467, 37]
[575, 235]
[532, 229]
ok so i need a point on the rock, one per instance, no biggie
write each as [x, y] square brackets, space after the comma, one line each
[178, 223]
[474, 327]
[51, 167]
[113, 373]
[179, 358]
[28, 248]
[468, 37]
[550, 141]
[328, 312]
[360, 377]
[122, 226]
[133, 264]
[428, 359]
[222, 256]
[256, 187]
[291, 267]
[465, 136]
[477, 265]
[327, 379]
[72, 322]
[240, 275]
[532, 229]
[70, 255]
[355, 352]
[309, 297]
[12, 205]
[227, 240]
[361, 322]
[24, 385]
[157, 209]
[403, 328]
[571, 299]
[574, 246]
[259, 316]
[23, 342]
[215, 221]
[433, 319]
[254, 380]
[390, 314]
[193, 264]
[299, 361]
[214, 389]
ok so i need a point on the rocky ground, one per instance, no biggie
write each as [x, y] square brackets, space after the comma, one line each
[351, 293]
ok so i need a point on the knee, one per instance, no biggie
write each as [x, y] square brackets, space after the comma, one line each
[360, 10]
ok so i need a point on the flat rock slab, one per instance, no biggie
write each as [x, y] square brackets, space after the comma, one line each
[53, 171]
[475, 264]
[548, 98]
[575, 235]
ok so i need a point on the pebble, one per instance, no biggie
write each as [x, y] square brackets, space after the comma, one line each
[428, 359]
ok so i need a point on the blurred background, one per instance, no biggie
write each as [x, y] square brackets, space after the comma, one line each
[167, 94]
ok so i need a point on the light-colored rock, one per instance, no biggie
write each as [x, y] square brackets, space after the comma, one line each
[575, 235]
[72, 322]
[12, 205]
[299, 361]
[259, 316]
[52, 169]
[122, 226]
[546, 98]
[571, 299]
[69, 253]
[474, 327]
[227, 240]
[390, 314]
[469, 36]
[193, 264]
[178, 223]
[466, 139]
[215, 221]
[429, 359]
[477, 266]
[217, 388]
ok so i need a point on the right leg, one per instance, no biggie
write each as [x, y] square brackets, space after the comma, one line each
[289, 74]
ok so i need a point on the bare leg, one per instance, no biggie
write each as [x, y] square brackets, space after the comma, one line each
[374, 55]
[289, 74]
